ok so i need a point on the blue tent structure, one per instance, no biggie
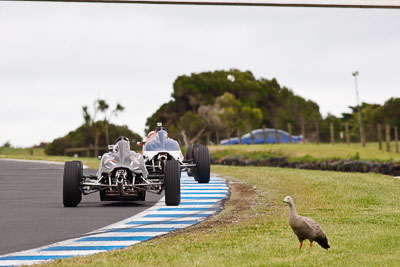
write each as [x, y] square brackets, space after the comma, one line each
[259, 138]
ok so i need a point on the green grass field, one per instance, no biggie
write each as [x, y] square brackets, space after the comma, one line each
[38, 154]
[21, 151]
[359, 212]
[308, 152]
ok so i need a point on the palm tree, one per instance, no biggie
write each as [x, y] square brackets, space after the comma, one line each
[102, 106]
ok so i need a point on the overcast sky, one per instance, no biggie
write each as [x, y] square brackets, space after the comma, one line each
[57, 57]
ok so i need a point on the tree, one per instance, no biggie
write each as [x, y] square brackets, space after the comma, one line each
[325, 128]
[372, 115]
[83, 136]
[212, 120]
[90, 119]
[191, 127]
[118, 108]
[229, 110]
[277, 104]
[235, 115]
[6, 144]
[251, 118]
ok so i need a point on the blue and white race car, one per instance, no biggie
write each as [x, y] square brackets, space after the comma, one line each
[164, 161]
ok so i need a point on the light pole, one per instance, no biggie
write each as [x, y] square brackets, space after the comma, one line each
[355, 74]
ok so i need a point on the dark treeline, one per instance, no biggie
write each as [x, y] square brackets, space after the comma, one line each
[373, 115]
[89, 136]
[210, 106]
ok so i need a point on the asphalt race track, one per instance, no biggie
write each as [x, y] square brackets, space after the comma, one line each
[32, 213]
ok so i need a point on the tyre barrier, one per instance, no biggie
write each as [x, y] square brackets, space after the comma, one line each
[198, 202]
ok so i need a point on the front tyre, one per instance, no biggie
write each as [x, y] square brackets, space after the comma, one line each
[73, 173]
[172, 181]
[202, 159]
[80, 174]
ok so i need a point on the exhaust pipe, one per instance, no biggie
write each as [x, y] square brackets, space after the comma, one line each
[121, 174]
[120, 185]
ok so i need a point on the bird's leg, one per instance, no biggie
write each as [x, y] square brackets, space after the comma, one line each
[310, 245]
[301, 244]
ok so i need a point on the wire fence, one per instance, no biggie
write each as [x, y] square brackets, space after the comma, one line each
[383, 134]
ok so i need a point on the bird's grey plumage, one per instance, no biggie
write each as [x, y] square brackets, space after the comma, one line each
[304, 227]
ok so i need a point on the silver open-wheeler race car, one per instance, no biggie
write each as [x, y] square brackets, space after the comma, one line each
[125, 175]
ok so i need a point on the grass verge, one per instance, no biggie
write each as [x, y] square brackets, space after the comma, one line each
[359, 212]
[38, 154]
[307, 152]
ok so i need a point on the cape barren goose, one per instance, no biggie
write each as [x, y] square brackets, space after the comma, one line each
[305, 228]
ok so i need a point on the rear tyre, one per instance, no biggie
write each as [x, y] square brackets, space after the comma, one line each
[189, 152]
[190, 156]
[192, 150]
[172, 183]
[73, 173]
[202, 159]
